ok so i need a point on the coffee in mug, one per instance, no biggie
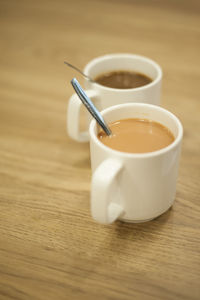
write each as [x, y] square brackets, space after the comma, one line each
[132, 186]
[137, 136]
[123, 79]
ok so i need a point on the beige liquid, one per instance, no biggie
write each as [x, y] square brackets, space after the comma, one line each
[137, 136]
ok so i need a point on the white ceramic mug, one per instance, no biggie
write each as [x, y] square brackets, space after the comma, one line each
[134, 187]
[104, 97]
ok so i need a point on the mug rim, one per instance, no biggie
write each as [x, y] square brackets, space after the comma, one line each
[94, 61]
[159, 152]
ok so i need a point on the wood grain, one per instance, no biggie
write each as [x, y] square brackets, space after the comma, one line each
[50, 248]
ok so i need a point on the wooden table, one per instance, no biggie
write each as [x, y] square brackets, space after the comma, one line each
[50, 247]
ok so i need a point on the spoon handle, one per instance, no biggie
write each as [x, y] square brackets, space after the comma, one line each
[90, 106]
[78, 70]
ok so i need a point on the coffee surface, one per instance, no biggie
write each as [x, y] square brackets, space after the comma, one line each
[137, 136]
[123, 79]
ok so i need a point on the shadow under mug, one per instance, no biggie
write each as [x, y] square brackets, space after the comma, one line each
[128, 186]
[104, 97]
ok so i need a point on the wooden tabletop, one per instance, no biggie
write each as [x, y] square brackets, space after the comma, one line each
[50, 247]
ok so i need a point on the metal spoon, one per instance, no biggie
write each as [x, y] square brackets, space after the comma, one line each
[90, 106]
[75, 68]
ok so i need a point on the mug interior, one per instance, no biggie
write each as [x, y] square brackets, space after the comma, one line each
[123, 62]
[144, 111]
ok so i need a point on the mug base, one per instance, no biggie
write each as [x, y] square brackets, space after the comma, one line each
[145, 220]
[135, 221]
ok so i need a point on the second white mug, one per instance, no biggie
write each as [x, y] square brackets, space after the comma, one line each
[104, 97]
[134, 187]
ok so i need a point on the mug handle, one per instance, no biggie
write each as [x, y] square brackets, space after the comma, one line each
[73, 117]
[103, 192]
